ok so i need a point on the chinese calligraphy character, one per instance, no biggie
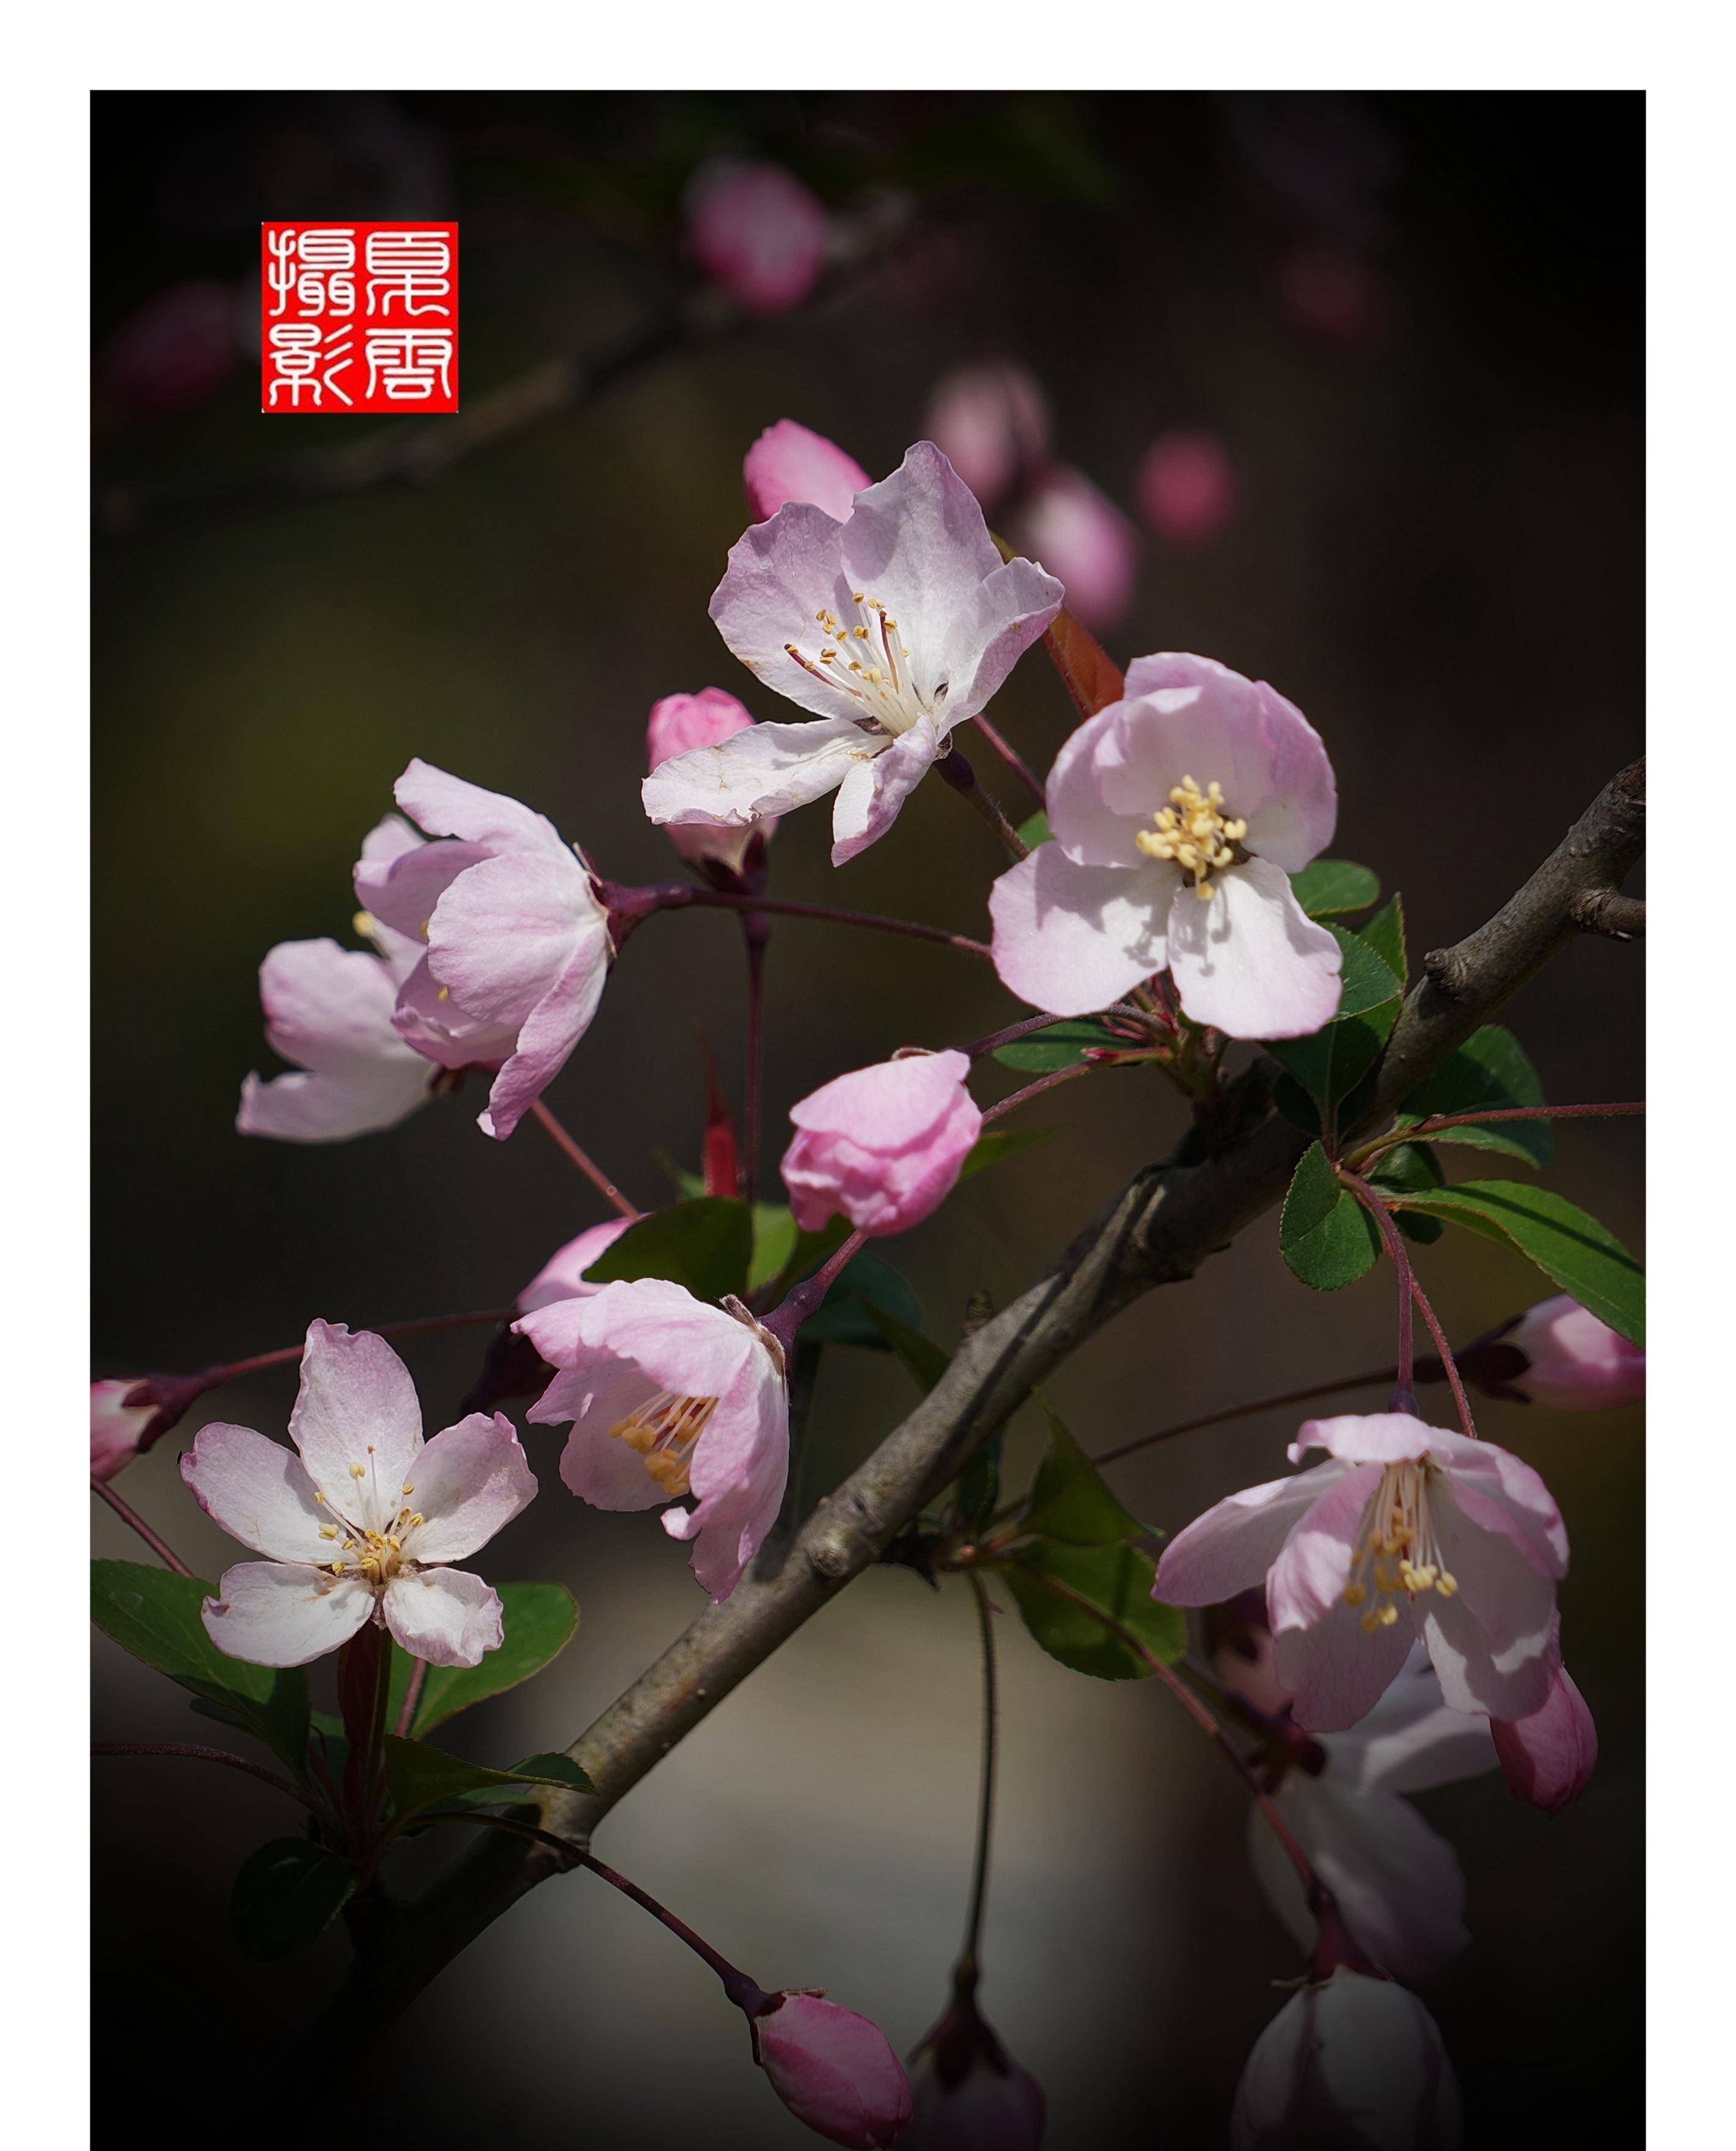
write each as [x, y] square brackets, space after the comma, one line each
[401, 264]
[303, 356]
[405, 364]
[340, 302]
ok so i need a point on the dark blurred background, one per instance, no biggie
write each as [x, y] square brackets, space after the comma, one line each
[1411, 327]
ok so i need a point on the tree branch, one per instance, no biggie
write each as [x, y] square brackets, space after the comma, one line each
[1158, 1230]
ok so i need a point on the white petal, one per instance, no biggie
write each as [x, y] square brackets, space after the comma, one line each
[1250, 961]
[260, 1492]
[766, 770]
[356, 1422]
[1072, 938]
[445, 1614]
[468, 1481]
[276, 1613]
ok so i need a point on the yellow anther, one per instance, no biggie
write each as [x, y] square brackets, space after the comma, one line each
[1355, 1595]
[1194, 833]
[1446, 1585]
[444, 993]
[328, 1531]
[408, 1489]
[319, 1497]
[365, 923]
[855, 597]
[1387, 1616]
[358, 1471]
[397, 1547]
[860, 633]
[338, 1568]
[1371, 1621]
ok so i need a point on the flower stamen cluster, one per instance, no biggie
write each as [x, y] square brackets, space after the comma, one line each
[663, 1430]
[1194, 832]
[1400, 1552]
[882, 689]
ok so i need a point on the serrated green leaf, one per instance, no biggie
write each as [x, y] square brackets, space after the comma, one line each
[1384, 933]
[1583, 1258]
[1115, 1579]
[1368, 980]
[1060, 1045]
[706, 1244]
[775, 1238]
[1491, 1069]
[1328, 1239]
[156, 1614]
[1328, 889]
[418, 1776]
[1036, 831]
[286, 1894]
[537, 1621]
[1000, 1144]
[1334, 1060]
[924, 1358]
[1071, 1501]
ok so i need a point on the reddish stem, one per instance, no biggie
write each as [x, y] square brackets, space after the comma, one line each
[232, 1369]
[787, 1318]
[1437, 1123]
[1449, 1366]
[1404, 1393]
[1378, 1378]
[129, 1515]
[630, 905]
[1043, 1083]
[593, 1172]
[1014, 760]
[203, 1755]
[412, 1696]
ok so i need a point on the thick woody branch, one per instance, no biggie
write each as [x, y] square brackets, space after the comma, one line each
[1163, 1224]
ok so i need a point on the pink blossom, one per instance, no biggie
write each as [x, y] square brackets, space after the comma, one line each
[991, 424]
[970, 2094]
[116, 1427]
[1351, 2063]
[757, 231]
[678, 724]
[892, 626]
[1408, 1530]
[789, 463]
[1187, 487]
[1567, 1359]
[669, 1396]
[882, 1146]
[514, 941]
[330, 1011]
[1396, 1882]
[1179, 814]
[1548, 1758]
[562, 1277]
[833, 2069]
[1066, 525]
[363, 1525]
[173, 353]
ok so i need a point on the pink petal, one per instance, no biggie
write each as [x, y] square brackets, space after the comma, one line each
[115, 1426]
[755, 776]
[447, 807]
[356, 1422]
[1576, 1363]
[1473, 1677]
[400, 889]
[328, 1009]
[593, 1464]
[1072, 938]
[562, 1277]
[1250, 962]
[1187, 487]
[868, 799]
[553, 1027]
[505, 931]
[834, 2070]
[274, 1614]
[789, 463]
[445, 1614]
[992, 425]
[260, 1492]
[468, 1482]
[758, 232]
[428, 1018]
[333, 1108]
[1366, 1438]
[1232, 1546]
[1548, 1758]
[679, 722]
[1068, 526]
[779, 574]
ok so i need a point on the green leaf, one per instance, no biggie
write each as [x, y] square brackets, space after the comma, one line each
[154, 1614]
[1328, 1239]
[1070, 1500]
[1329, 888]
[1331, 1062]
[1002, 1143]
[1060, 1045]
[706, 1244]
[1582, 1255]
[1116, 1579]
[843, 1318]
[538, 1622]
[418, 1776]
[286, 1894]
[775, 1237]
[1412, 1168]
[1035, 831]
[923, 1358]
[1384, 933]
[1368, 980]
[1490, 1071]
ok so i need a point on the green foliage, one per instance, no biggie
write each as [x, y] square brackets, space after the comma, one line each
[418, 1776]
[154, 1614]
[1580, 1255]
[538, 1622]
[1036, 831]
[1489, 1072]
[1070, 1500]
[706, 1244]
[1116, 1580]
[1412, 1168]
[1331, 1062]
[924, 1358]
[286, 1894]
[1059, 1046]
[775, 1240]
[1000, 1144]
[843, 1316]
[1328, 888]
[1384, 933]
[1328, 1239]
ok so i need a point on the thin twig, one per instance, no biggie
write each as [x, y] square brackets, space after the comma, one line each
[129, 1515]
[593, 1172]
[1437, 1123]
[1377, 1378]
[681, 896]
[957, 772]
[195, 1753]
[1049, 1082]
[966, 1966]
[412, 1696]
[1014, 760]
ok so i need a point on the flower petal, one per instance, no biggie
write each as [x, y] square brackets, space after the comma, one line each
[553, 1027]
[1250, 961]
[298, 1108]
[780, 574]
[868, 799]
[759, 774]
[1072, 938]
[990, 630]
[469, 1480]
[917, 541]
[562, 1277]
[260, 1492]
[1367, 1438]
[328, 1009]
[505, 931]
[274, 1613]
[789, 463]
[445, 1614]
[400, 892]
[356, 1422]
[447, 807]
[1411, 1739]
[1232, 1546]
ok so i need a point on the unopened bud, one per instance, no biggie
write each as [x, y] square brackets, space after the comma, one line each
[834, 2070]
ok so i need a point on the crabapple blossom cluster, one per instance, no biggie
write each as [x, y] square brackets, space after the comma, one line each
[1391, 1610]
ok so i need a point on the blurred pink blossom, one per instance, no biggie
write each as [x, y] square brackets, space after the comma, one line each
[1548, 1758]
[882, 1146]
[788, 462]
[1066, 525]
[757, 231]
[679, 723]
[173, 353]
[833, 2069]
[1187, 487]
[1568, 1359]
[991, 424]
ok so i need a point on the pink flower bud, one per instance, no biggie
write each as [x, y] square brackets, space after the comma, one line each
[1187, 487]
[562, 1277]
[1067, 526]
[1559, 1354]
[175, 353]
[992, 425]
[970, 2094]
[757, 231]
[1548, 1758]
[833, 2069]
[789, 463]
[116, 1427]
[1347, 2061]
[678, 723]
[882, 1146]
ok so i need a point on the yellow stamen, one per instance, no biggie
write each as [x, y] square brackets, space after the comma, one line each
[1195, 833]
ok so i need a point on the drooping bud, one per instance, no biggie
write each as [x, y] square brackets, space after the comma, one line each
[834, 2070]
[1187, 487]
[1068, 527]
[116, 1427]
[883, 1146]
[991, 424]
[1349, 2063]
[1547, 1758]
[968, 2093]
[1560, 1355]
[790, 462]
[757, 231]
[677, 724]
